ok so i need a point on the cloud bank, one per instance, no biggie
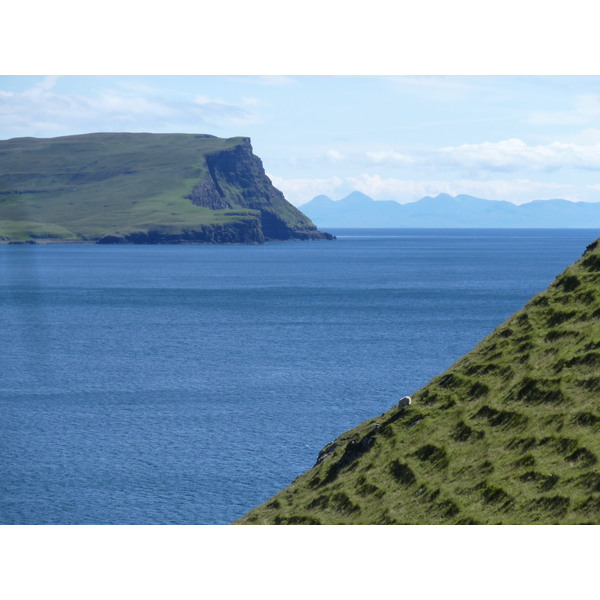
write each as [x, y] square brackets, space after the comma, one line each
[505, 156]
[42, 111]
[514, 154]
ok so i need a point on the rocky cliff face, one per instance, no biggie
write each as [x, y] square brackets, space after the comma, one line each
[235, 178]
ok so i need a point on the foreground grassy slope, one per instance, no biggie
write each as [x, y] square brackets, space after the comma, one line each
[509, 434]
[85, 187]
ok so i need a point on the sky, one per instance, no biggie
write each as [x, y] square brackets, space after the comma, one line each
[500, 137]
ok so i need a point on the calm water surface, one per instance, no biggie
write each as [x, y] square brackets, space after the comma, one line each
[188, 384]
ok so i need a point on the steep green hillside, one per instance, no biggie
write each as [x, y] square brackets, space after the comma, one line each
[141, 187]
[509, 434]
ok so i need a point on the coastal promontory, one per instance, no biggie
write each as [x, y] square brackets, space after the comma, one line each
[509, 434]
[142, 188]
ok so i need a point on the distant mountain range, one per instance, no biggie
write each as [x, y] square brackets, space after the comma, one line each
[359, 210]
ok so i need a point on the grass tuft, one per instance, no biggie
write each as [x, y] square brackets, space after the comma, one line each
[402, 473]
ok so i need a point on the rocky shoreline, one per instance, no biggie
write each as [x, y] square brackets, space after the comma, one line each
[234, 233]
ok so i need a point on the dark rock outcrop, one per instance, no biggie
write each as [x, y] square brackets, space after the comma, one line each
[206, 193]
[245, 232]
[235, 178]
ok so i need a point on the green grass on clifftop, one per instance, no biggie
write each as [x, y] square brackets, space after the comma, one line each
[87, 186]
[509, 434]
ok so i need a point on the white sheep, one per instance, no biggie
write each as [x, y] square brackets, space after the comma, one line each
[404, 401]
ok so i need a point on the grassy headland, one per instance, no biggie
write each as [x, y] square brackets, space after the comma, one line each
[140, 187]
[509, 434]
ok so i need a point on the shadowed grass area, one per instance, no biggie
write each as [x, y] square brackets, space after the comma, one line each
[509, 434]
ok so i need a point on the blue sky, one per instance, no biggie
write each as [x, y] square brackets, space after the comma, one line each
[514, 138]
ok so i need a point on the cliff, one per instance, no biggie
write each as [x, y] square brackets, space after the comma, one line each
[142, 188]
[509, 434]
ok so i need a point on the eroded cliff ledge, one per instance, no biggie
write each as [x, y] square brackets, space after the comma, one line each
[235, 178]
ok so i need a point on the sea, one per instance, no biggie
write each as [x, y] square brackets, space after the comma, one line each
[188, 384]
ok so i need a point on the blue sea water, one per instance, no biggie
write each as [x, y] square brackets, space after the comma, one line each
[188, 384]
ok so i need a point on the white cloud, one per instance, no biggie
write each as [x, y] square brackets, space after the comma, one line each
[474, 160]
[514, 154]
[117, 104]
[30, 112]
[334, 156]
[300, 191]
